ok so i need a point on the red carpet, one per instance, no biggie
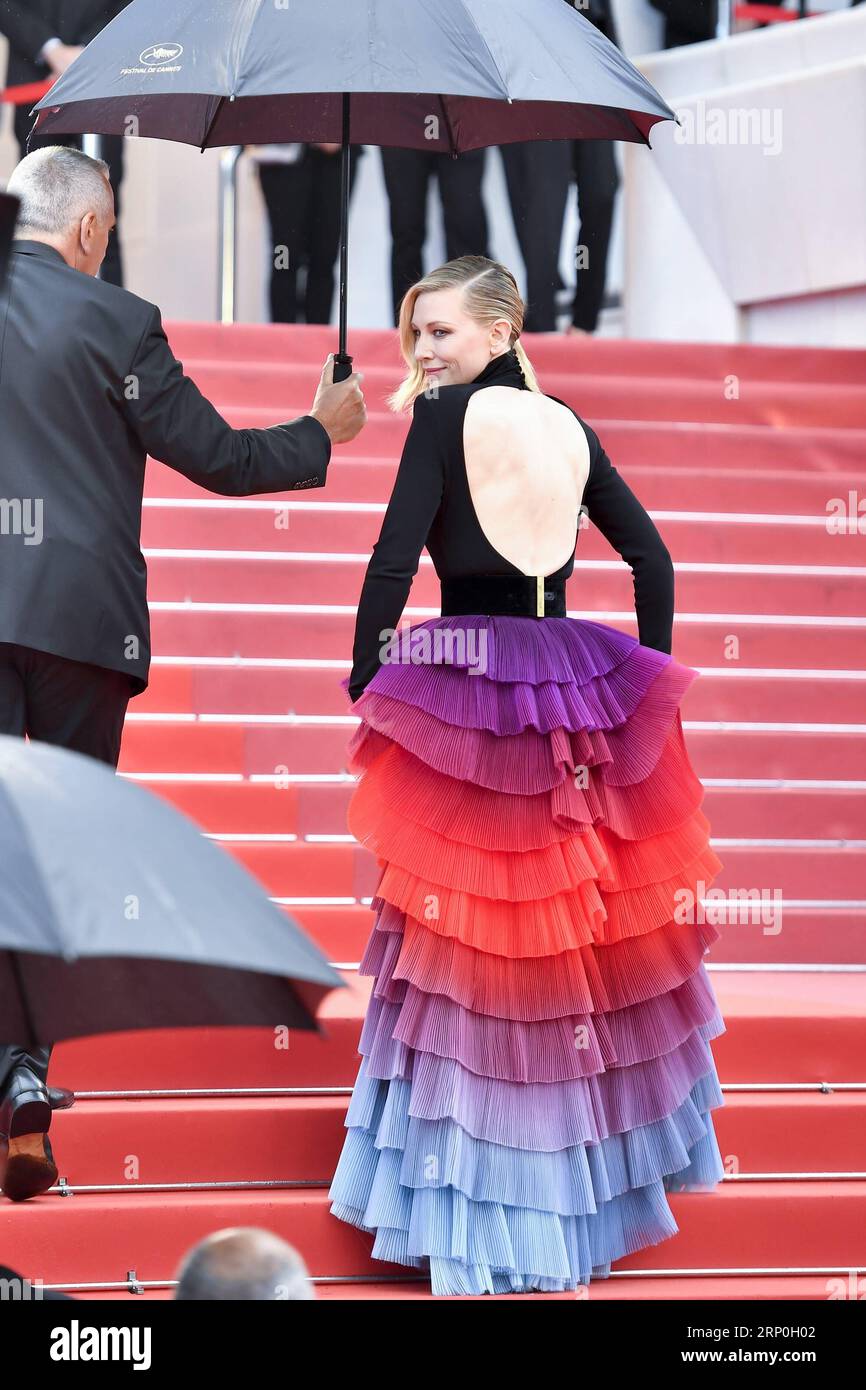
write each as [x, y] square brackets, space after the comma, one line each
[737, 452]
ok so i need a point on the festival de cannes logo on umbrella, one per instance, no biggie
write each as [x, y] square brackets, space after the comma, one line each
[161, 53]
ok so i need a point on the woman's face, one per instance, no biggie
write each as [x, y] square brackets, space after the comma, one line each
[451, 347]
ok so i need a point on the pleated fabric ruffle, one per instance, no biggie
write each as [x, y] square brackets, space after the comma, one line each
[536, 1073]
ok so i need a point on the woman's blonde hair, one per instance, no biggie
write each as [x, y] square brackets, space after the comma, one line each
[489, 293]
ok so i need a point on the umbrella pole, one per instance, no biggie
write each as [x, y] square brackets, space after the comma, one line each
[342, 360]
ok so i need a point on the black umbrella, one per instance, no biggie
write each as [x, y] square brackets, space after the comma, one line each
[8, 215]
[116, 914]
[452, 76]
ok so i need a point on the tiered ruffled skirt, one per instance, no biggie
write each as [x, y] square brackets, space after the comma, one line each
[536, 1072]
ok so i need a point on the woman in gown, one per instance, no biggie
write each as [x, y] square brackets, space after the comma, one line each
[536, 1072]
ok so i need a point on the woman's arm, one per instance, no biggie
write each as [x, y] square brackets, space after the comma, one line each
[394, 562]
[614, 509]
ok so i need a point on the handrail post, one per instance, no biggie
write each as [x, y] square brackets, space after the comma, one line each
[92, 145]
[227, 264]
[725, 19]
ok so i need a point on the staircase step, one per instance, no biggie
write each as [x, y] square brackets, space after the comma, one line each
[814, 934]
[309, 690]
[795, 1027]
[287, 528]
[228, 633]
[302, 344]
[745, 1225]
[299, 869]
[743, 467]
[198, 578]
[291, 387]
[284, 750]
[248, 808]
[229, 1139]
[720, 1288]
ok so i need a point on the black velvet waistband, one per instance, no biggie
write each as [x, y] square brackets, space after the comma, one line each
[515, 594]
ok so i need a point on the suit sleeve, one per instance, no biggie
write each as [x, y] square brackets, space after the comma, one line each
[178, 426]
[415, 500]
[25, 29]
[613, 508]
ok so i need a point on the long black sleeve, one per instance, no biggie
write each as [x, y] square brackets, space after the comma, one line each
[25, 28]
[28, 27]
[613, 508]
[178, 426]
[410, 513]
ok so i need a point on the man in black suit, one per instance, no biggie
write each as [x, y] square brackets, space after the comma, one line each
[8, 216]
[88, 388]
[687, 21]
[45, 36]
[538, 174]
[691, 21]
[407, 175]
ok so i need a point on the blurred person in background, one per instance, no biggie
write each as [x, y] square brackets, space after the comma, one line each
[243, 1264]
[595, 172]
[538, 175]
[692, 21]
[301, 187]
[45, 37]
[407, 175]
[687, 21]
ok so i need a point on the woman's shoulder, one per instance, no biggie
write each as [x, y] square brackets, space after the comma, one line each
[505, 409]
[498, 407]
[592, 439]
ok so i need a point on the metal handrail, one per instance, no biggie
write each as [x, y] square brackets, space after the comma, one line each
[227, 259]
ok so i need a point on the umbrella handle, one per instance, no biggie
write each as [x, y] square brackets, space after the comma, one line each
[342, 366]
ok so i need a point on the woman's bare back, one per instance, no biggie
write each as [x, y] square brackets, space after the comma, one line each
[527, 463]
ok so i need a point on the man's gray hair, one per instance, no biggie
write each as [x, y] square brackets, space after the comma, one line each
[243, 1263]
[58, 186]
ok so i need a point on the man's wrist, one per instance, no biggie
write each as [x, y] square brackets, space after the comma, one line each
[324, 431]
[47, 47]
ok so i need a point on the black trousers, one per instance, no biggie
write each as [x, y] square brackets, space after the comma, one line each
[72, 705]
[112, 153]
[538, 174]
[595, 171]
[407, 175]
[303, 201]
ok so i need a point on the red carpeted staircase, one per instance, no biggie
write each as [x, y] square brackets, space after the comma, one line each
[737, 452]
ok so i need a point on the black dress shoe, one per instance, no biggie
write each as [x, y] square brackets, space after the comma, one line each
[59, 1098]
[25, 1107]
[30, 1167]
[25, 1115]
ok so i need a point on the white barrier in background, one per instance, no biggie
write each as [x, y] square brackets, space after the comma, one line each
[749, 222]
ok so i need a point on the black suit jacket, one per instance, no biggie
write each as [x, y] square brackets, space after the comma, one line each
[690, 21]
[8, 216]
[88, 388]
[28, 24]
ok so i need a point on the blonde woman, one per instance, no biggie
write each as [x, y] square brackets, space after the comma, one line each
[536, 1072]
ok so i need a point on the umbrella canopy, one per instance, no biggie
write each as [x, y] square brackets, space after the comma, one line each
[231, 72]
[116, 914]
